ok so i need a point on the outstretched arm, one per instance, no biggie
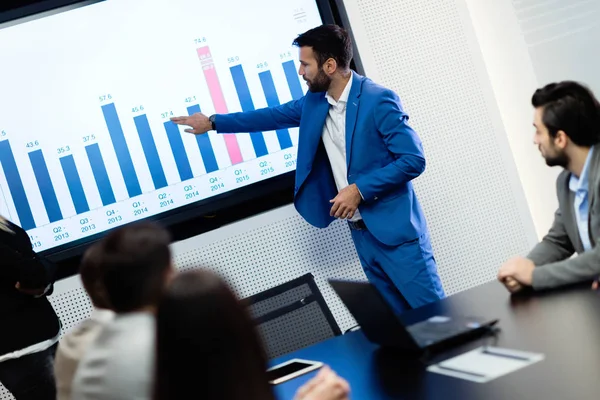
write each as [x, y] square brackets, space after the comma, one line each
[266, 119]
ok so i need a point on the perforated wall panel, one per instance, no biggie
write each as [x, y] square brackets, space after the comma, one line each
[255, 259]
[276, 247]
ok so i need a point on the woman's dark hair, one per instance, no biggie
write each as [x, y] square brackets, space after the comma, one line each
[207, 346]
[572, 108]
[135, 261]
[328, 41]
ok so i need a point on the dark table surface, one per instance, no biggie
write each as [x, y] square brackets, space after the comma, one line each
[562, 324]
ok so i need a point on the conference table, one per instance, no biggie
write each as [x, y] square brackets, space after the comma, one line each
[562, 324]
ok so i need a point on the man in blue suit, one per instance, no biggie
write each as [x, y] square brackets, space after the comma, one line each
[356, 159]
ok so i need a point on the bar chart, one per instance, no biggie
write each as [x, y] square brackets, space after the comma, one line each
[217, 178]
[87, 143]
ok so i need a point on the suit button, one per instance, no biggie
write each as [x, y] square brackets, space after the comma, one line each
[376, 198]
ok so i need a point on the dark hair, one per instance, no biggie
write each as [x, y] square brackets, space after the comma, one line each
[92, 276]
[570, 107]
[207, 346]
[135, 260]
[328, 41]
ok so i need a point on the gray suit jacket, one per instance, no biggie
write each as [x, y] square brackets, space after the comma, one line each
[552, 256]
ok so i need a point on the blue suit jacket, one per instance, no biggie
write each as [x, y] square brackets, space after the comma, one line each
[383, 155]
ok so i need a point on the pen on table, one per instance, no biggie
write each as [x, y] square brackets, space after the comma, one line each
[514, 357]
[461, 371]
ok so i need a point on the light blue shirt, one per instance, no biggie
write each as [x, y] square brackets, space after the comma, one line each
[580, 187]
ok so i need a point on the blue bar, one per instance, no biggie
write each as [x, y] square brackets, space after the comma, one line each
[178, 149]
[243, 92]
[42, 176]
[74, 183]
[149, 147]
[266, 80]
[206, 150]
[120, 145]
[293, 79]
[15, 185]
[100, 175]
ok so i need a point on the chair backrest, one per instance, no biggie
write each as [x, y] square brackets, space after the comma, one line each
[292, 316]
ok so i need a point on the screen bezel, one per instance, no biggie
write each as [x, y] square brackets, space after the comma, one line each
[203, 215]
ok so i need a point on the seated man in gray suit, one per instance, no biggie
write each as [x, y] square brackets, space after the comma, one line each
[136, 262]
[75, 343]
[567, 122]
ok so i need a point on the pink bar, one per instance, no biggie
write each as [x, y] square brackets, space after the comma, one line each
[216, 94]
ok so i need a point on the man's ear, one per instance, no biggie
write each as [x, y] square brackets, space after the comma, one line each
[561, 139]
[330, 66]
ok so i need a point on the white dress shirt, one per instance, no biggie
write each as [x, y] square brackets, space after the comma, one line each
[334, 139]
[119, 364]
[73, 346]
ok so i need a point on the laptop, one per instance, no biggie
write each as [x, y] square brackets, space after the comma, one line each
[380, 324]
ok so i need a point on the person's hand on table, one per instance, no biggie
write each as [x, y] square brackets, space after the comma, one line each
[512, 285]
[327, 385]
[516, 273]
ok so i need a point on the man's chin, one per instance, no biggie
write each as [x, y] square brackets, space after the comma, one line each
[316, 89]
[556, 163]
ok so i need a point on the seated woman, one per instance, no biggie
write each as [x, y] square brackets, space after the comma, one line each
[74, 344]
[208, 347]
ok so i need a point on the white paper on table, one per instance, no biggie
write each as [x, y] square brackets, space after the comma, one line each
[485, 363]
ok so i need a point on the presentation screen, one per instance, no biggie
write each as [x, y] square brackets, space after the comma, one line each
[86, 143]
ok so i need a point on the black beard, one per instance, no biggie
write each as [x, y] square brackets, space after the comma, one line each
[321, 83]
[560, 160]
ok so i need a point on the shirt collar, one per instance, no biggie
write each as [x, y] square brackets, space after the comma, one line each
[345, 94]
[102, 315]
[581, 183]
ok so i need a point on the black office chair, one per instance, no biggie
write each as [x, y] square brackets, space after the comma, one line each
[292, 316]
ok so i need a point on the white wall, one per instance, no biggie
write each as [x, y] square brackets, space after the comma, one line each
[513, 79]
